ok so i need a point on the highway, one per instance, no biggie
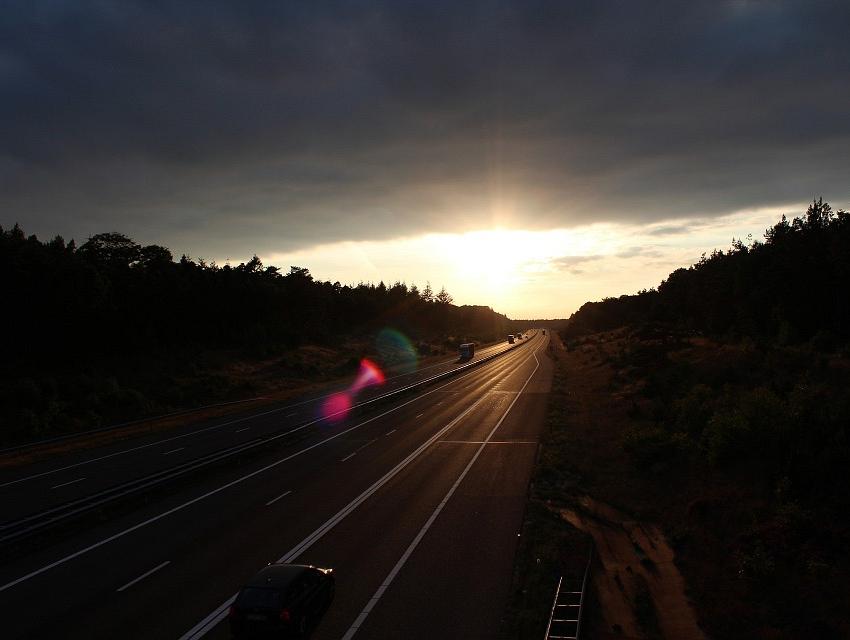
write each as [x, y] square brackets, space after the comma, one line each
[416, 501]
[51, 481]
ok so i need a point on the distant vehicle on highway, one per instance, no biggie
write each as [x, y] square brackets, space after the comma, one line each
[466, 350]
[510, 338]
[519, 336]
[283, 600]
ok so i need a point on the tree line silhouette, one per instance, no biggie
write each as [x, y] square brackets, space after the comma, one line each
[112, 306]
[114, 294]
[791, 288]
[738, 370]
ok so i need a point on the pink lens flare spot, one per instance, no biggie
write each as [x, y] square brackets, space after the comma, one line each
[369, 375]
[336, 407]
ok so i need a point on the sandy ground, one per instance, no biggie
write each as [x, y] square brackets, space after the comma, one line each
[634, 564]
[634, 556]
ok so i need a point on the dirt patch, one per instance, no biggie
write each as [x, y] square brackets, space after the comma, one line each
[634, 561]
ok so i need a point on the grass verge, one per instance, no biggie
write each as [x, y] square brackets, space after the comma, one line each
[549, 548]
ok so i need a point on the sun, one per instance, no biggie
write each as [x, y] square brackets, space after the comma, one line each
[494, 258]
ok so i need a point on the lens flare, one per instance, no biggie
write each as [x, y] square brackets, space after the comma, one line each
[395, 350]
[336, 407]
[369, 375]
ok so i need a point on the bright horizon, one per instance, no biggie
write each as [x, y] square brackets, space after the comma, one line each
[532, 274]
[527, 157]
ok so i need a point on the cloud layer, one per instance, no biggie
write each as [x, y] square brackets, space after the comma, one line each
[231, 128]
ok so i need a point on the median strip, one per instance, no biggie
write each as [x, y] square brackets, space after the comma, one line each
[424, 382]
[235, 482]
[29, 524]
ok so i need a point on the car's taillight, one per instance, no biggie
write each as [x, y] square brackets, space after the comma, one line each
[284, 616]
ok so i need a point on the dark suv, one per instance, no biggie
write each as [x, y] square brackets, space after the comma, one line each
[282, 600]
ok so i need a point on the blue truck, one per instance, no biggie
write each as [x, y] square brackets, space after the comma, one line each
[466, 350]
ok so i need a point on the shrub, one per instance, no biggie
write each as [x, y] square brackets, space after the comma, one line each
[653, 446]
[726, 437]
[693, 411]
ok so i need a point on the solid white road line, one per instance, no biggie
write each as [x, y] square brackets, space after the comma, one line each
[358, 622]
[282, 495]
[144, 575]
[131, 449]
[232, 483]
[191, 433]
[220, 613]
[65, 484]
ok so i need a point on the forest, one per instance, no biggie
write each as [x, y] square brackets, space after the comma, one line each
[101, 331]
[791, 288]
[736, 372]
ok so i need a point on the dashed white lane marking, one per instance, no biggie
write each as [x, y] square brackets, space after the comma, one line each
[177, 437]
[168, 453]
[282, 495]
[220, 613]
[367, 444]
[242, 429]
[358, 622]
[65, 484]
[389, 432]
[289, 415]
[359, 449]
[419, 416]
[489, 441]
[144, 575]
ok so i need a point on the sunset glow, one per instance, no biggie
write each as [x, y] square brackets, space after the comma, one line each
[534, 273]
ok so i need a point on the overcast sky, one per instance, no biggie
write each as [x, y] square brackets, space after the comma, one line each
[305, 130]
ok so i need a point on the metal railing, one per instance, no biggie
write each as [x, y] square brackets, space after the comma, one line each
[30, 524]
[567, 608]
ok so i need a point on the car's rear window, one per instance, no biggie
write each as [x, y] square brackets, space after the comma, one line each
[259, 597]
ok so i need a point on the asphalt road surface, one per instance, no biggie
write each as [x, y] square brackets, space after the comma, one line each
[416, 503]
[45, 483]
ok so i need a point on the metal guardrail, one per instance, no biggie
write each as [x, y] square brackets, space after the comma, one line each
[22, 527]
[114, 427]
[567, 608]
[171, 414]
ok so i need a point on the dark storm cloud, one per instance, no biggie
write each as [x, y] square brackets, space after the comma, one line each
[225, 128]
